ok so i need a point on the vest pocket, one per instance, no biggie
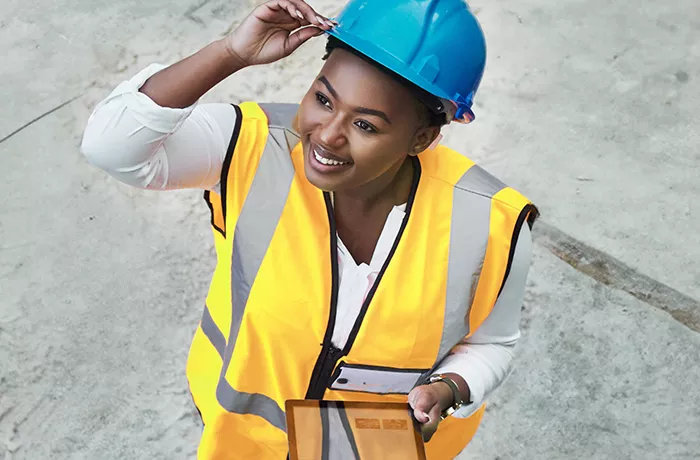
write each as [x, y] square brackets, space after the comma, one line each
[375, 379]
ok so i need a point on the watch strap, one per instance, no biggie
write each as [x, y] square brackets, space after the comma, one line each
[456, 394]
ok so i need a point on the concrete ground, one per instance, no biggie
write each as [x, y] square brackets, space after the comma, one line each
[589, 108]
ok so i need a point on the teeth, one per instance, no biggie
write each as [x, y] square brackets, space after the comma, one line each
[328, 161]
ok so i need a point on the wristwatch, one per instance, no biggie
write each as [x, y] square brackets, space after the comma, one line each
[455, 393]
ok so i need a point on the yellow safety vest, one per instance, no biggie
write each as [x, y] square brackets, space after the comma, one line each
[265, 333]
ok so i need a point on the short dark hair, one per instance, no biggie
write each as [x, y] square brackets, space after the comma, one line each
[433, 119]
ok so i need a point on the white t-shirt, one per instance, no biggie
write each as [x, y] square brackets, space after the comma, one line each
[144, 145]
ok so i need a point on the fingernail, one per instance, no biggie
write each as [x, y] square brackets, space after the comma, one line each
[319, 19]
[330, 24]
[426, 416]
[299, 15]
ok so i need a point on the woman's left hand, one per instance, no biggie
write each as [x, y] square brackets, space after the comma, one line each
[428, 401]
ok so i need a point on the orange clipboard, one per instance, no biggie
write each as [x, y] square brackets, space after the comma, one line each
[335, 430]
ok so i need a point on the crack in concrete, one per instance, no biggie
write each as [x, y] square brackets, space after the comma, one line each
[611, 272]
[189, 14]
[29, 123]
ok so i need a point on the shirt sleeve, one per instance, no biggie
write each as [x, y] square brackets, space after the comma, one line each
[484, 360]
[145, 145]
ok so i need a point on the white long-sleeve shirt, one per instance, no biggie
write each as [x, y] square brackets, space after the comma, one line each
[148, 146]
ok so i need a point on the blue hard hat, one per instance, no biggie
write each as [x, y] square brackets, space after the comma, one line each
[437, 45]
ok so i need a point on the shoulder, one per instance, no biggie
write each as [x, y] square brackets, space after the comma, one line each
[255, 121]
[457, 171]
[279, 115]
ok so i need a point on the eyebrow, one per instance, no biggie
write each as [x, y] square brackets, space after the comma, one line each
[365, 110]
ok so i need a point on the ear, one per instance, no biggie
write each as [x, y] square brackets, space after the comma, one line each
[423, 138]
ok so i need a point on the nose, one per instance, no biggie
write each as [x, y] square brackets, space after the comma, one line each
[332, 132]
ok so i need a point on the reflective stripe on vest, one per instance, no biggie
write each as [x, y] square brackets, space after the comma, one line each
[337, 439]
[273, 286]
[468, 238]
[254, 230]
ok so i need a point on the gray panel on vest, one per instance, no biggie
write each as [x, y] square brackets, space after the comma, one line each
[478, 180]
[255, 228]
[256, 225]
[341, 440]
[213, 333]
[280, 115]
[471, 216]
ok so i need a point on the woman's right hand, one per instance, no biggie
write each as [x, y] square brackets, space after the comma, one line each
[274, 30]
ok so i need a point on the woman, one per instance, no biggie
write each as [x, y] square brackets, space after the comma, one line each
[357, 258]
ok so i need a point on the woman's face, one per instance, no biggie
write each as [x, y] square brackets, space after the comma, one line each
[357, 125]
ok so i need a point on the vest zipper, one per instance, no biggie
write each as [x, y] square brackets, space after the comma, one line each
[330, 355]
[320, 382]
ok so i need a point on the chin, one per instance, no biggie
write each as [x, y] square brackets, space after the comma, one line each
[319, 182]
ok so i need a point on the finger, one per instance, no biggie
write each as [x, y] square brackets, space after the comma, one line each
[311, 15]
[294, 12]
[301, 36]
[286, 7]
[429, 429]
[434, 414]
[425, 406]
[421, 416]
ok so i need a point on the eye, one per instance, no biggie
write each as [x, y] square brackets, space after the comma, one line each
[366, 127]
[323, 100]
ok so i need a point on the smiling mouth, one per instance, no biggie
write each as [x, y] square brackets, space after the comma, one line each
[328, 161]
[326, 158]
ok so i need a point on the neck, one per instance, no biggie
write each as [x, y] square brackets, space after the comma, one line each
[392, 187]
